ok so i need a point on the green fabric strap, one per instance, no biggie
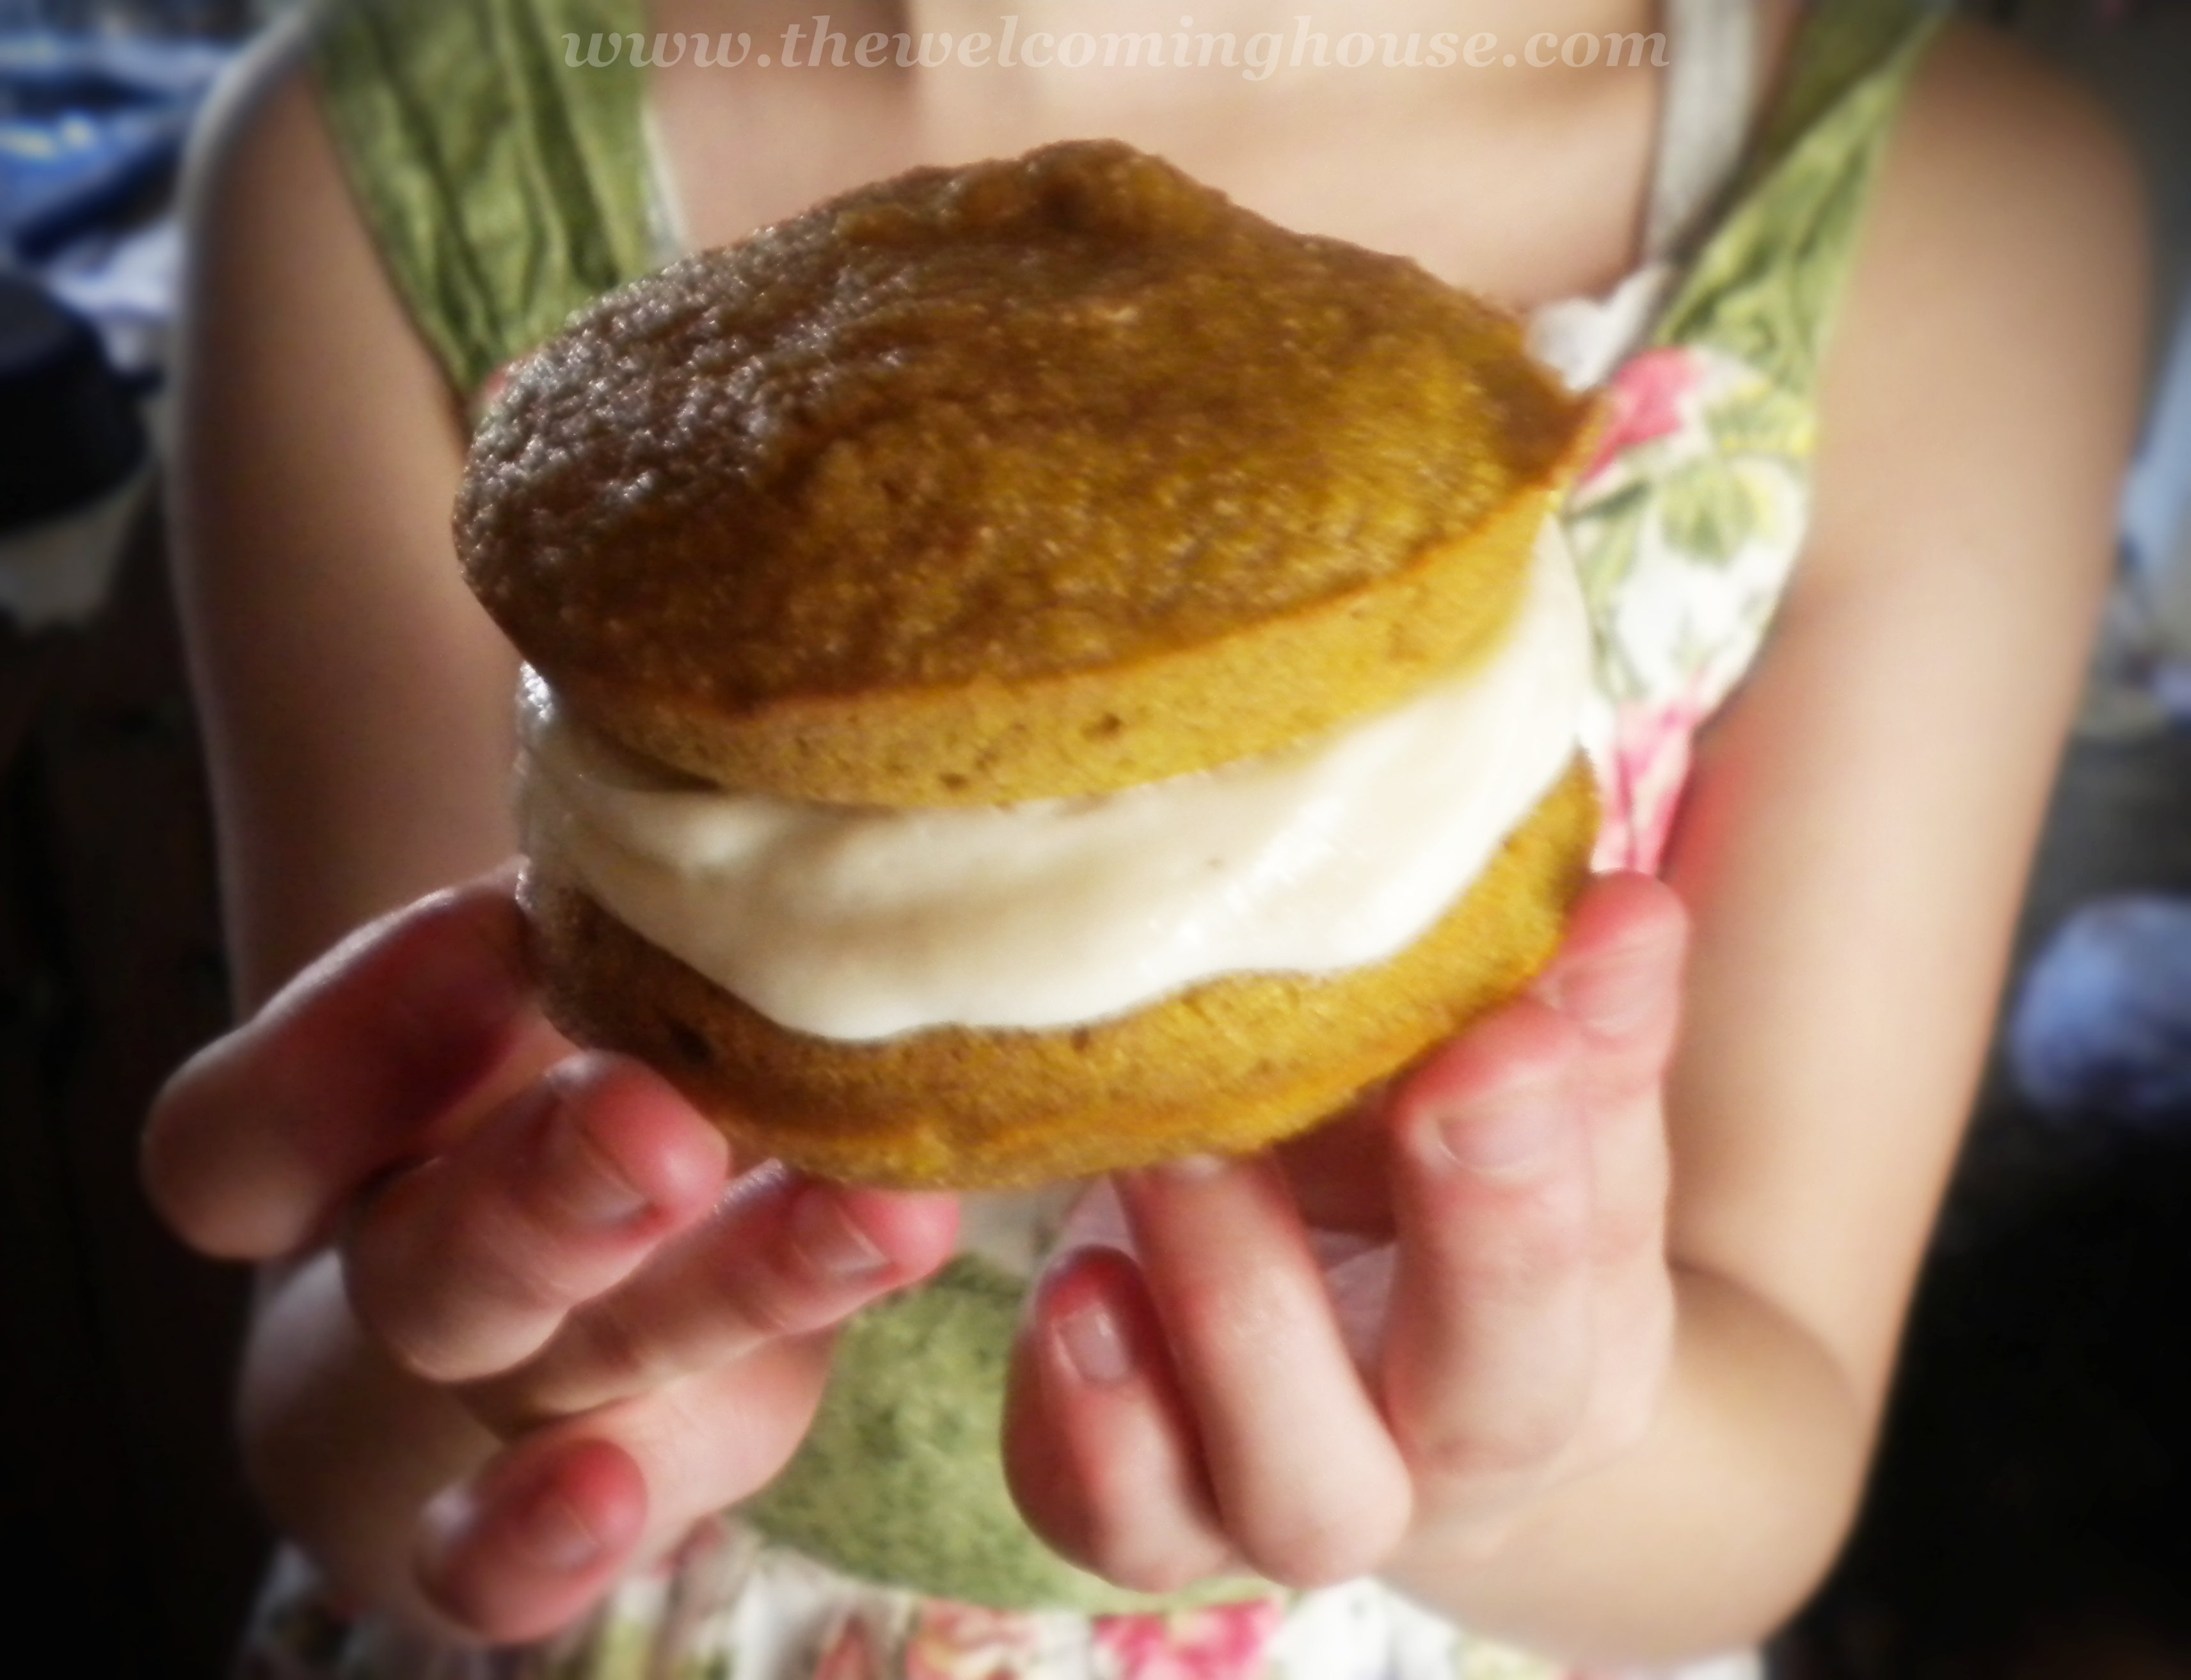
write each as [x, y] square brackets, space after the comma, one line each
[504, 187]
[1767, 284]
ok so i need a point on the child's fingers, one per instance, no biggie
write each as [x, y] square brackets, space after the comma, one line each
[1306, 1478]
[1489, 1345]
[465, 1266]
[529, 1544]
[1099, 1446]
[784, 1256]
[1532, 1303]
[259, 1136]
[530, 1541]
[1618, 977]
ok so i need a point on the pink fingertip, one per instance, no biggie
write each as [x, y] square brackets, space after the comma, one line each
[1614, 993]
[1094, 1345]
[1619, 972]
[549, 1534]
[1526, 1043]
[643, 1133]
[516, 1555]
[1086, 1302]
[833, 1243]
[1619, 913]
[916, 1228]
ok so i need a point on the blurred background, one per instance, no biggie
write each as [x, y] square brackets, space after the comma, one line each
[2030, 1515]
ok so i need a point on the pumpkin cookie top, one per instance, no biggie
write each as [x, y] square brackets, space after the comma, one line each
[1036, 477]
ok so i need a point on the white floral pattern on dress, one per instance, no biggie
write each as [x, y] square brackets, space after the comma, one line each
[1685, 527]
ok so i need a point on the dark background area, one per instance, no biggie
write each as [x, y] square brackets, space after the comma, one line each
[129, 1532]
[2030, 1514]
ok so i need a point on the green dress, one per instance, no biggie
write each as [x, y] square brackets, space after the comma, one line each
[499, 152]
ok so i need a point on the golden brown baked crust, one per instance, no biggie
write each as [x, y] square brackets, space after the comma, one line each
[1228, 1066]
[957, 489]
[1263, 687]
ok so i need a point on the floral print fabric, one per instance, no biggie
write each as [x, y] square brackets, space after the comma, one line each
[729, 1606]
[1685, 526]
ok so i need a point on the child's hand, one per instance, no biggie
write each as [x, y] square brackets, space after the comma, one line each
[1197, 1410]
[545, 1235]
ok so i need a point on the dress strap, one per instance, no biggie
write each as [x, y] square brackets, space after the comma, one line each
[1707, 105]
[1765, 283]
[496, 151]
[1691, 519]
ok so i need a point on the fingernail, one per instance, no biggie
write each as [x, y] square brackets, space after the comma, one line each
[1094, 1347]
[1507, 1130]
[827, 1239]
[1612, 993]
[589, 1186]
[547, 1532]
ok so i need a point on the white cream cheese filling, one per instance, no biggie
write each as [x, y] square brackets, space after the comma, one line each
[860, 922]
